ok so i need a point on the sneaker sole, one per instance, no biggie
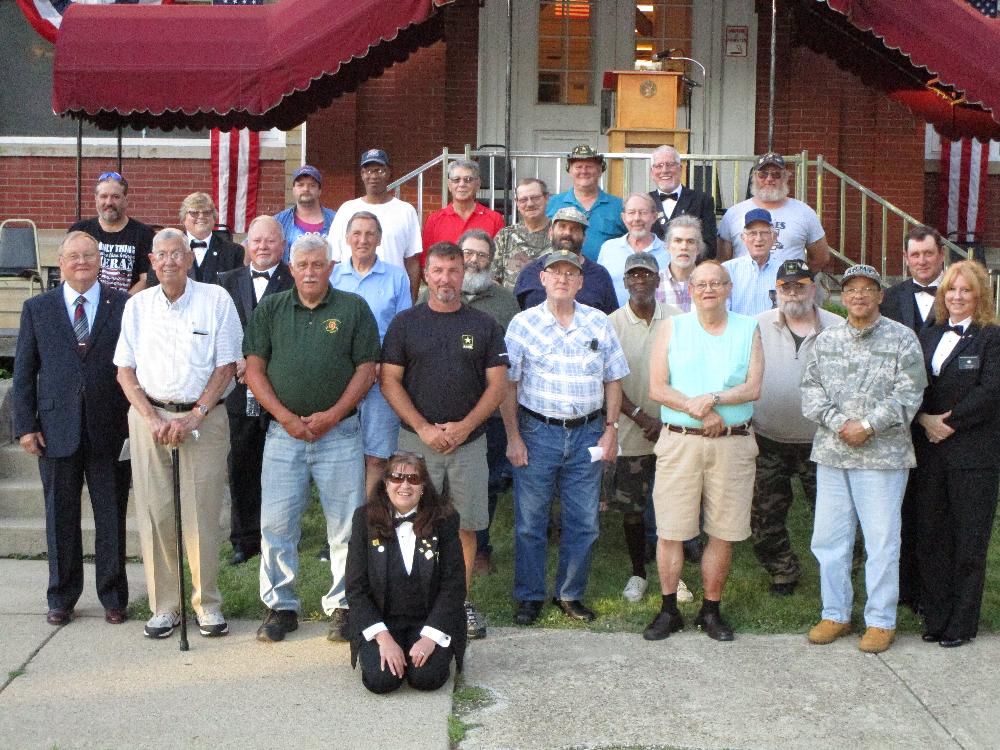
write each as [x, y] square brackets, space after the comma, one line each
[214, 633]
[164, 634]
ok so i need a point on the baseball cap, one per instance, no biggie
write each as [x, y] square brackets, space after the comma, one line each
[770, 158]
[374, 156]
[865, 272]
[642, 260]
[791, 270]
[308, 170]
[562, 256]
[569, 213]
[757, 214]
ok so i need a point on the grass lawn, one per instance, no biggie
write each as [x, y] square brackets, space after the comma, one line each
[746, 602]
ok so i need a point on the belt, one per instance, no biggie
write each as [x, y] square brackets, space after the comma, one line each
[736, 429]
[564, 423]
[175, 407]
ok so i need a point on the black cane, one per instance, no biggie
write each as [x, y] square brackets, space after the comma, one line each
[175, 457]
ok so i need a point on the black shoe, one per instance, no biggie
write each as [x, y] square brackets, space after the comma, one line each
[58, 616]
[338, 626]
[929, 637]
[784, 589]
[953, 642]
[574, 608]
[714, 626]
[693, 550]
[663, 625]
[277, 624]
[241, 555]
[324, 552]
[527, 611]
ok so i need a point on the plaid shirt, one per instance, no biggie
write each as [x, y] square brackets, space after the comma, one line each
[562, 371]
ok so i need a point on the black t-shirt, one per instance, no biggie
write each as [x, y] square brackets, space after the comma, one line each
[124, 254]
[445, 356]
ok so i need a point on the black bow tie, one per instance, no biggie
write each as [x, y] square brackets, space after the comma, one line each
[399, 520]
[198, 243]
[960, 330]
[672, 196]
[931, 290]
[259, 274]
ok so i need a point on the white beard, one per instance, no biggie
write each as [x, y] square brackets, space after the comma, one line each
[770, 195]
[477, 282]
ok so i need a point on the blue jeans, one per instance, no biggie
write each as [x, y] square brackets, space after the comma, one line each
[843, 497]
[336, 464]
[557, 460]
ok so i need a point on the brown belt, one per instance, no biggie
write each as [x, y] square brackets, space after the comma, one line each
[736, 429]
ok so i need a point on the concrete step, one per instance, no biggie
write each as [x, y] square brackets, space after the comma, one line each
[23, 498]
[26, 536]
[17, 463]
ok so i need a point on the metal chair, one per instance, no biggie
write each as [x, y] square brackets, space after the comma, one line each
[19, 252]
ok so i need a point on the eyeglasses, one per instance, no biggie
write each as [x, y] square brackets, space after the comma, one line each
[398, 478]
[865, 291]
[773, 174]
[374, 170]
[476, 253]
[85, 257]
[758, 233]
[173, 255]
[666, 165]
[564, 275]
[701, 286]
[530, 198]
[196, 214]
[638, 212]
[467, 179]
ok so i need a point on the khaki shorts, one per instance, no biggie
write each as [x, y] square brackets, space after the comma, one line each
[708, 478]
[461, 475]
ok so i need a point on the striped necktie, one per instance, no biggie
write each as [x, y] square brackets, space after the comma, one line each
[80, 326]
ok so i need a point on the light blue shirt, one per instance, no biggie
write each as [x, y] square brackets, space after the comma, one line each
[93, 297]
[615, 252]
[386, 289]
[604, 218]
[752, 284]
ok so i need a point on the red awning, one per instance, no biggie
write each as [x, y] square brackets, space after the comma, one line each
[947, 40]
[250, 66]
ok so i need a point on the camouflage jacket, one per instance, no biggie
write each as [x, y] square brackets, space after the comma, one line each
[876, 373]
[516, 248]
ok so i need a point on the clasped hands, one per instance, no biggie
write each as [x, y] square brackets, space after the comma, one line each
[391, 655]
[703, 408]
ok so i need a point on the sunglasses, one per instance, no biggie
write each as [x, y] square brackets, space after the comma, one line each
[397, 478]
[111, 176]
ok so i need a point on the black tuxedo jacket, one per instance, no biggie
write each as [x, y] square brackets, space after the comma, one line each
[690, 203]
[221, 256]
[240, 287]
[898, 304]
[969, 387]
[438, 563]
[56, 382]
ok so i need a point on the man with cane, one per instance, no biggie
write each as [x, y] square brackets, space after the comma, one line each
[176, 357]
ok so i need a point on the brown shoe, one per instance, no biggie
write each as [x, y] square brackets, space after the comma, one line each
[483, 564]
[877, 640]
[59, 616]
[115, 616]
[827, 631]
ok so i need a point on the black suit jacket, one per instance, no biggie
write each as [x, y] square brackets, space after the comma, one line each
[690, 203]
[240, 287]
[898, 305]
[221, 256]
[55, 383]
[969, 387]
[441, 574]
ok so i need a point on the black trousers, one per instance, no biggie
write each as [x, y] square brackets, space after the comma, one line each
[910, 586]
[432, 675]
[108, 482]
[246, 455]
[955, 509]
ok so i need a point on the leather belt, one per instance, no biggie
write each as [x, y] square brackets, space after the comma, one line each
[736, 429]
[564, 423]
[175, 407]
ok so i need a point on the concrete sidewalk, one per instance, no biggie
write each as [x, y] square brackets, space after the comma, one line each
[90, 684]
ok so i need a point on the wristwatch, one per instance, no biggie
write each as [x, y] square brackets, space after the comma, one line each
[716, 399]
[611, 424]
[202, 409]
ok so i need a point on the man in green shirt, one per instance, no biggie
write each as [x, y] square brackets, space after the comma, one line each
[311, 353]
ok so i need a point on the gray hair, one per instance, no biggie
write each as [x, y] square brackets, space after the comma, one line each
[665, 150]
[77, 235]
[478, 234]
[168, 234]
[532, 181]
[309, 242]
[365, 215]
[463, 164]
[264, 219]
[645, 196]
[686, 222]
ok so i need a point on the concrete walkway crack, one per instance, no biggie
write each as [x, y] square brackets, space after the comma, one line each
[21, 669]
[923, 705]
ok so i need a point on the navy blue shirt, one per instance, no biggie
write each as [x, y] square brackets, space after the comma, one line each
[597, 290]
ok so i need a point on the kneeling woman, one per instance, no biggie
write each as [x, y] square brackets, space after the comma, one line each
[405, 582]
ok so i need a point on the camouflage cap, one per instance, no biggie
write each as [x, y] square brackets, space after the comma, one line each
[865, 272]
[584, 151]
[569, 213]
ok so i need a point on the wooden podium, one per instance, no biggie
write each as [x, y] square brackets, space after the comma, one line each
[645, 116]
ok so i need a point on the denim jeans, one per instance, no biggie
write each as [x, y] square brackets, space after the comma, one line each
[843, 497]
[496, 459]
[336, 464]
[558, 459]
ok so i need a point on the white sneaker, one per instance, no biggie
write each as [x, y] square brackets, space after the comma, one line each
[684, 594]
[212, 625]
[635, 589]
[162, 625]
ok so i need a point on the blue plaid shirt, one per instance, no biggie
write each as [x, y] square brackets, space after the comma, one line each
[562, 371]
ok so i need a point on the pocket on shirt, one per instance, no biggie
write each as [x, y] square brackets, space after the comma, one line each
[200, 347]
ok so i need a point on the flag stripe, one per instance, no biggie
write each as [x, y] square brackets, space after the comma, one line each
[962, 188]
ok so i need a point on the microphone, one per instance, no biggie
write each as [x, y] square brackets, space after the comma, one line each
[665, 54]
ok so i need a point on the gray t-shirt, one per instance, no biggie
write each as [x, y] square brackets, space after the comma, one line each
[797, 225]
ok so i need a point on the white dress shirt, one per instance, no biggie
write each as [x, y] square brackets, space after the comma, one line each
[925, 301]
[947, 344]
[92, 299]
[260, 283]
[199, 252]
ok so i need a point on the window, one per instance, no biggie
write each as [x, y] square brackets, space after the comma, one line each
[565, 52]
[663, 25]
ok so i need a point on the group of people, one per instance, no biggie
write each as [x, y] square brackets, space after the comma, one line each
[596, 353]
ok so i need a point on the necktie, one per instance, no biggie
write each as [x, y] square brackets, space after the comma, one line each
[400, 520]
[259, 274]
[960, 330]
[198, 243]
[80, 326]
[931, 290]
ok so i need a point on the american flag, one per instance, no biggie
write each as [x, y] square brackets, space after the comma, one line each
[986, 7]
[236, 167]
[963, 188]
[45, 16]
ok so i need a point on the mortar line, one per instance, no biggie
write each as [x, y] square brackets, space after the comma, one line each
[923, 705]
[32, 655]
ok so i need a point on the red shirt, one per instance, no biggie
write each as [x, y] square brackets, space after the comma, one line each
[447, 226]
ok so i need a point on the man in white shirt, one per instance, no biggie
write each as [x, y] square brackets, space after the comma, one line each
[176, 357]
[401, 245]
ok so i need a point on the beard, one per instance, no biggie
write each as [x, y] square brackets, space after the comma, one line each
[770, 195]
[794, 308]
[476, 282]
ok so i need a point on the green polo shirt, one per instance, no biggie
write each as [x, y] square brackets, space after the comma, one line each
[311, 355]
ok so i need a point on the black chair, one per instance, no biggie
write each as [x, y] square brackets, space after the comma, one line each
[19, 252]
